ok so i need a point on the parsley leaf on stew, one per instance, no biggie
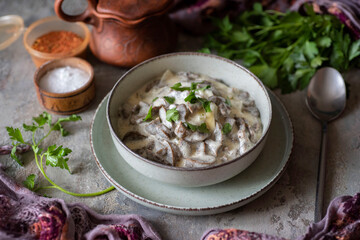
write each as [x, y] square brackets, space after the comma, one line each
[191, 98]
[170, 100]
[177, 87]
[226, 128]
[203, 128]
[148, 116]
[172, 115]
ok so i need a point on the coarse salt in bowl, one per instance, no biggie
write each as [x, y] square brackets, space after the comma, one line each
[64, 79]
[65, 86]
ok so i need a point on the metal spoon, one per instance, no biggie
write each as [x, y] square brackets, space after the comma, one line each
[326, 99]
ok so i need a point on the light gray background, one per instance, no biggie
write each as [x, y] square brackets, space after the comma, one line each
[285, 210]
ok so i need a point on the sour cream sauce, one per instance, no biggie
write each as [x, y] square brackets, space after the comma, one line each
[220, 123]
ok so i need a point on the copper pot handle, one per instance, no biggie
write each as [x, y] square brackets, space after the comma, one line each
[88, 16]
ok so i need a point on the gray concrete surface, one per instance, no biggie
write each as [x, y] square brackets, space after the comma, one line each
[285, 210]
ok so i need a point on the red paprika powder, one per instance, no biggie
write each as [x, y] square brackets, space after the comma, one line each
[57, 42]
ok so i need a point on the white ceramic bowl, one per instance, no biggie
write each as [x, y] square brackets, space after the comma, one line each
[230, 72]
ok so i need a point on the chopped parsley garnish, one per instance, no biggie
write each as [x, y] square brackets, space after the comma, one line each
[191, 98]
[204, 88]
[206, 104]
[193, 87]
[170, 100]
[202, 128]
[155, 99]
[177, 87]
[148, 116]
[172, 115]
[227, 101]
[226, 128]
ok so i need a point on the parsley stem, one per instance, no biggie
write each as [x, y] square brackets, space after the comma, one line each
[54, 185]
[45, 136]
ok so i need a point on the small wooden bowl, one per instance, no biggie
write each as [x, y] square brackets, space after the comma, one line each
[70, 102]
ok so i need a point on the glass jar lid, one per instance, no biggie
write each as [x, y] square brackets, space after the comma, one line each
[11, 27]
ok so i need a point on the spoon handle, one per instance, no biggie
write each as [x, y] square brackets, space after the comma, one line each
[321, 175]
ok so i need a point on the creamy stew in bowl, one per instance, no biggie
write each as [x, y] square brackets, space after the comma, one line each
[189, 120]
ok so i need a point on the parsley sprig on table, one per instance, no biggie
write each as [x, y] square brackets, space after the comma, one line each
[284, 49]
[54, 156]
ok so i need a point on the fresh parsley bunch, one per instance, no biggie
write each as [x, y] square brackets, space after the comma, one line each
[54, 156]
[284, 49]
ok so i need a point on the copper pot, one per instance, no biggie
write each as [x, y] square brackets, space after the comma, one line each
[127, 32]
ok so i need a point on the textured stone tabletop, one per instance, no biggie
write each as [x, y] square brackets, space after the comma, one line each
[285, 210]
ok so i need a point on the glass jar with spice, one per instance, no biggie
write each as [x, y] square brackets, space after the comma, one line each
[52, 38]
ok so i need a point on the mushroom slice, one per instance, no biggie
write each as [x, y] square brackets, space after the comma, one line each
[252, 110]
[164, 132]
[156, 128]
[182, 112]
[139, 111]
[196, 136]
[244, 141]
[217, 133]
[213, 147]
[151, 85]
[162, 115]
[185, 148]
[193, 107]
[192, 163]
[180, 130]
[253, 130]
[220, 102]
[133, 135]
[171, 154]
[201, 156]
[160, 102]
[125, 111]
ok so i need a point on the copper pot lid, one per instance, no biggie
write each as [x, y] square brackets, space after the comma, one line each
[133, 10]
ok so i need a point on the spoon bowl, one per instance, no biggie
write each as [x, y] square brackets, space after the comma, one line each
[326, 100]
[326, 95]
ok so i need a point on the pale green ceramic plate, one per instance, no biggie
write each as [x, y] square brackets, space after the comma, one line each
[221, 197]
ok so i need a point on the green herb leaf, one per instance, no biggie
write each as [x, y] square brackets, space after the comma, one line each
[172, 115]
[206, 104]
[203, 128]
[42, 119]
[55, 156]
[15, 134]
[170, 100]
[58, 127]
[191, 98]
[204, 88]
[226, 128]
[354, 50]
[14, 156]
[29, 182]
[227, 101]
[177, 87]
[148, 116]
[155, 99]
[190, 126]
[30, 128]
[283, 49]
